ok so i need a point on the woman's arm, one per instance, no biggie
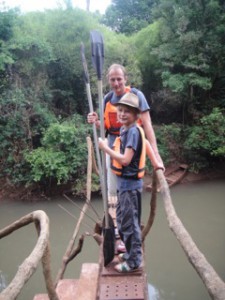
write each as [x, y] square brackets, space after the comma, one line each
[150, 134]
[151, 155]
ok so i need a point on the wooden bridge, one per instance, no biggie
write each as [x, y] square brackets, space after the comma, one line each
[102, 283]
[97, 282]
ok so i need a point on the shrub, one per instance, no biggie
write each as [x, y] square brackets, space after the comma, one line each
[63, 155]
[21, 124]
[207, 140]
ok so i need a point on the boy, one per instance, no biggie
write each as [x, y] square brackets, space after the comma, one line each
[128, 162]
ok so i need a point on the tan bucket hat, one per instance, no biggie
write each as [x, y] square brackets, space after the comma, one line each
[129, 99]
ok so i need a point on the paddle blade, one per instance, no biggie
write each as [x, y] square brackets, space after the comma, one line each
[97, 49]
[109, 241]
[108, 247]
[85, 69]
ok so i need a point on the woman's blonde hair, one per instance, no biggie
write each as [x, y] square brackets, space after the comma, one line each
[114, 67]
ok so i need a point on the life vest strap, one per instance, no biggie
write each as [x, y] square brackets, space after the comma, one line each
[118, 169]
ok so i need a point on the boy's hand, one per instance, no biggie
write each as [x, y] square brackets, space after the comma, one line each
[103, 144]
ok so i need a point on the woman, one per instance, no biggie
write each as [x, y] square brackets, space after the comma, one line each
[117, 79]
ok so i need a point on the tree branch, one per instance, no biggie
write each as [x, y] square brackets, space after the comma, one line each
[153, 203]
[212, 281]
[29, 266]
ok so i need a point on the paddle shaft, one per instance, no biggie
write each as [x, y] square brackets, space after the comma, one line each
[102, 133]
[88, 89]
[90, 103]
[97, 46]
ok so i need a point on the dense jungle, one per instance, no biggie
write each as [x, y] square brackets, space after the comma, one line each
[173, 50]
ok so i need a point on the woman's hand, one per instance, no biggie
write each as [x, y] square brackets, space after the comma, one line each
[159, 166]
[92, 118]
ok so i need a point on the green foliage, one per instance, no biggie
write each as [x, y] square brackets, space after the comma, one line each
[220, 151]
[5, 56]
[207, 139]
[46, 82]
[176, 83]
[7, 21]
[162, 144]
[180, 82]
[128, 16]
[21, 125]
[32, 57]
[47, 164]
[144, 41]
[122, 50]
[188, 51]
[79, 184]
[63, 153]
[177, 60]
[47, 51]
[170, 140]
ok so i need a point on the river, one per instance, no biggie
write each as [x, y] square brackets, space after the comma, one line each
[200, 206]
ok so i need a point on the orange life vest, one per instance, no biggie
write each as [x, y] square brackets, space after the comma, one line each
[112, 124]
[118, 169]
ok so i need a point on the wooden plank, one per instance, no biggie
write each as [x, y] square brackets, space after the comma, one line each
[88, 282]
[41, 297]
[66, 290]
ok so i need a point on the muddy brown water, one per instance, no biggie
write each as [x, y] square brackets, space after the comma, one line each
[200, 206]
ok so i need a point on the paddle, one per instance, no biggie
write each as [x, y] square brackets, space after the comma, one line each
[97, 47]
[88, 90]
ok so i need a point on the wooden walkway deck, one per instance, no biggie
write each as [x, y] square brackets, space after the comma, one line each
[97, 282]
[113, 285]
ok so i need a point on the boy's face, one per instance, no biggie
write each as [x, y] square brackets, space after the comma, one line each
[126, 115]
[117, 81]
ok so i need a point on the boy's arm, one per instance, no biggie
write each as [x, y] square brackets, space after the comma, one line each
[123, 159]
[151, 155]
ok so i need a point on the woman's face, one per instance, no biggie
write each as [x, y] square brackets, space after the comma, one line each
[117, 81]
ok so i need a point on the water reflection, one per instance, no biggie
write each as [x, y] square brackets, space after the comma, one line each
[153, 292]
[3, 283]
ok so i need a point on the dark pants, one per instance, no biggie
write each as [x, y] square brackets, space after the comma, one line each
[128, 216]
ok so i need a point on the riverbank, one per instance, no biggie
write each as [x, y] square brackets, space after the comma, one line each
[10, 193]
[209, 174]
